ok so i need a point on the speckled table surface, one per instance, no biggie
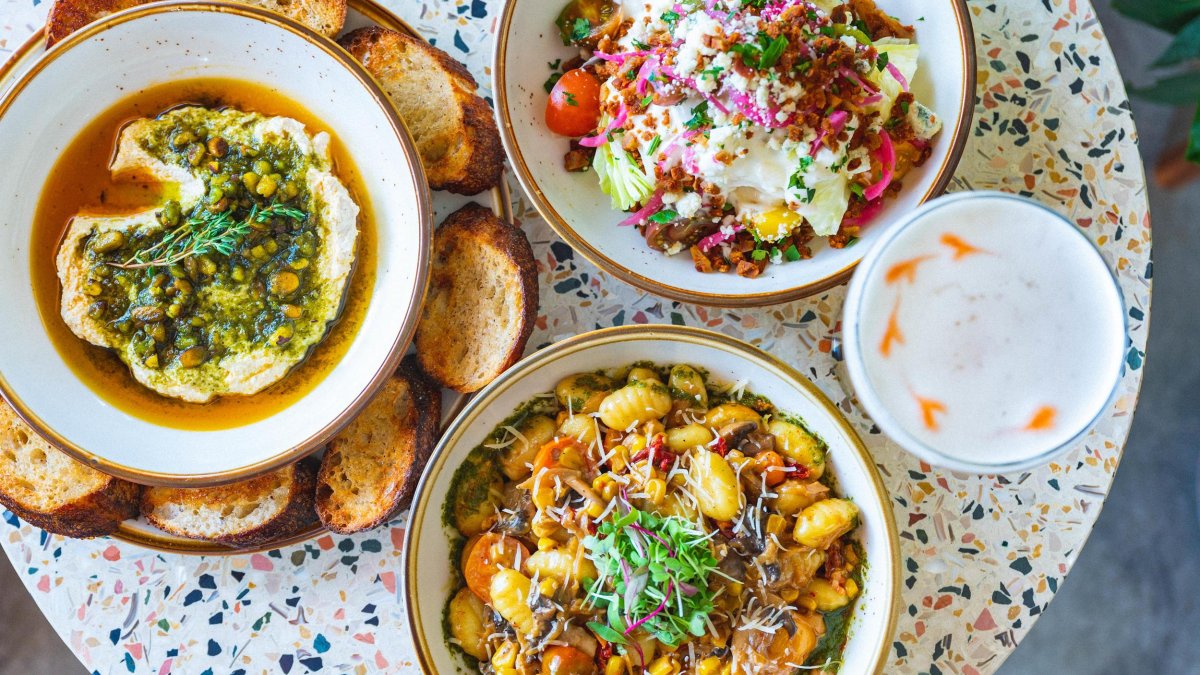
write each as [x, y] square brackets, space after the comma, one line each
[981, 556]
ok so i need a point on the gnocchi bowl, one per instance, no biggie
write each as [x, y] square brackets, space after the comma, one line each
[651, 499]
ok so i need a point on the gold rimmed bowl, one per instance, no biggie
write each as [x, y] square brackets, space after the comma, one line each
[574, 205]
[429, 580]
[144, 47]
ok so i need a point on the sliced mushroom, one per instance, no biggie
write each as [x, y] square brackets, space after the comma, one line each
[735, 432]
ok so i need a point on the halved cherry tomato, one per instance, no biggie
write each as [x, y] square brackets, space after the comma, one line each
[585, 22]
[573, 108]
[562, 660]
[564, 453]
[491, 552]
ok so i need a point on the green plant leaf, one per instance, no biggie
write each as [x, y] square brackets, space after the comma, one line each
[1193, 150]
[1169, 15]
[1176, 90]
[1185, 46]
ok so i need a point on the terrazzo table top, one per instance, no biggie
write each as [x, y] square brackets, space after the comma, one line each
[982, 557]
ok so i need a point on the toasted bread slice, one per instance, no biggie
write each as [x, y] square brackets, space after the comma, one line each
[48, 489]
[482, 300]
[67, 16]
[453, 127]
[243, 514]
[371, 468]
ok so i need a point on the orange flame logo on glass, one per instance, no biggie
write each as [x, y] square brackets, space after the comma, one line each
[892, 333]
[1043, 419]
[905, 270]
[961, 248]
[929, 409]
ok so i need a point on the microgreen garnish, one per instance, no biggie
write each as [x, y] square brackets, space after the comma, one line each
[654, 143]
[205, 233]
[653, 575]
[670, 17]
[762, 54]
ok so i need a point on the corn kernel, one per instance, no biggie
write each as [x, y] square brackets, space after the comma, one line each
[615, 666]
[851, 588]
[665, 665]
[635, 442]
[652, 428]
[727, 669]
[505, 656]
[776, 524]
[543, 496]
[546, 544]
[789, 594]
[620, 459]
[595, 509]
[808, 602]
[656, 490]
[709, 666]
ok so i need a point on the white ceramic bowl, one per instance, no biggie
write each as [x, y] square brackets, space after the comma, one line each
[527, 40]
[428, 580]
[106, 62]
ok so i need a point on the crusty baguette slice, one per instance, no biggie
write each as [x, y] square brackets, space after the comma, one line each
[482, 300]
[67, 16]
[453, 127]
[243, 514]
[53, 491]
[370, 469]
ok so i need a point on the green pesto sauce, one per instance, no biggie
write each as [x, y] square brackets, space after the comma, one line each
[204, 306]
[837, 625]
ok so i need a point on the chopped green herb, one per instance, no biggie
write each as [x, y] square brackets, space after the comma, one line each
[882, 61]
[802, 67]
[904, 107]
[654, 143]
[712, 73]
[772, 52]
[699, 117]
[664, 216]
[571, 99]
[647, 100]
[792, 253]
[857, 189]
[758, 254]
[580, 30]
[670, 17]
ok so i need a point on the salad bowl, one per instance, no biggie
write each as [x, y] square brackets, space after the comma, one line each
[529, 49]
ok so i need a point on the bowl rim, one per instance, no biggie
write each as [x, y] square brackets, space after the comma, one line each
[642, 332]
[561, 227]
[425, 224]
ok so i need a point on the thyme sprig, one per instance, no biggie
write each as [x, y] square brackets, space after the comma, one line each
[205, 233]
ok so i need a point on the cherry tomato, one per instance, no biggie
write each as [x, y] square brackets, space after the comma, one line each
[561, 660]
[490, 553]
[573, 108]
[770, 465]
[565, 453]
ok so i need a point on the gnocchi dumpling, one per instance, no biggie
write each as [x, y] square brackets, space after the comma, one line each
[822, 523]
[716, 486]
[727, 413]
[466, 616]
[634, 404]
[795, 443]
[687, 384]
[534, 433]
[564, 565]
[510, 593]
[582, 392]
[682, 439]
